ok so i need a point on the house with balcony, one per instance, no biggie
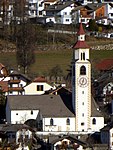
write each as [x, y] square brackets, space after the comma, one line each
[61, 12]
[13, 83]
[92, 11]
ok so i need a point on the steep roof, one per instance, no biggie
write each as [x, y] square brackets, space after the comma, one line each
[81, 30]
[49, 105]
[94, 6]
[79, 43]
[107, 127]
[105, 64]
[95, 112]
[40, 79]
[14, 127]
[17, 73]
[59, 6]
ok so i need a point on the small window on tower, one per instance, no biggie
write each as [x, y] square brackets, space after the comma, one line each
[82, 92]
[81, 56]
[68, 121]
[82, 124]
[51, 122]
[82, 70]
[94, 121]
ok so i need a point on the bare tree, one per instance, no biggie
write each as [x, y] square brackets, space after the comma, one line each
[25, 36]
[25, 47]
[4, 5]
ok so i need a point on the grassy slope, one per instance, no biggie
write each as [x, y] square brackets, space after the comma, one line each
[45, 60]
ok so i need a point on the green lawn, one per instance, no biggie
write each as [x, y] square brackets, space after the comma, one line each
[45, 60]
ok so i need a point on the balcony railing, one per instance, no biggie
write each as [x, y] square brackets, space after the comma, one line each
[15, 89]
[14, 81]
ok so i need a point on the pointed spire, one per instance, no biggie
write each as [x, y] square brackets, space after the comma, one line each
[81, 39]
[81, 30]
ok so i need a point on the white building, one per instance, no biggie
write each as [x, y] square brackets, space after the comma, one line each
[109, 11]
[61, 12]
[48, 110]
[37, 87]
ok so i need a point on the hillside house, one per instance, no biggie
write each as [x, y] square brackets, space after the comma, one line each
[104, 87]
[13, 83]
[37, 87]
[92, 11]
[61, 11]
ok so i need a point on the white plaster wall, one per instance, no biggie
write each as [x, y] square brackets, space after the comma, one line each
[59, 124]
[99, 123]
[40, 8]
[66, 16]
[109, 11]
[83, 99]
[6, 79]
[23, 132]
[31, 89]
[20, 116]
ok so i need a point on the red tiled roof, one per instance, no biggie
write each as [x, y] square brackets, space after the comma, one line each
[81, 30]
[105, 64]
[4, 86]
[80, 44]
[40, 79]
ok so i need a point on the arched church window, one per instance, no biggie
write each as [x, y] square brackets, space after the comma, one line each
[68, 121]
[94, 121]
[83, 56]
[51, 122]
[82, 70]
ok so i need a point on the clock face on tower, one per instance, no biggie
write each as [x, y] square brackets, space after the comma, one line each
[83, 81]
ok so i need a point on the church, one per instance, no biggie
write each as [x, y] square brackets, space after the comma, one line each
[83, 103]
[74, 112]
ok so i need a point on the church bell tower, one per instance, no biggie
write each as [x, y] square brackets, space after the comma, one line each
[81, 82]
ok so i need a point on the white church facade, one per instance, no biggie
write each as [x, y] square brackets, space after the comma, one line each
[77, 112]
